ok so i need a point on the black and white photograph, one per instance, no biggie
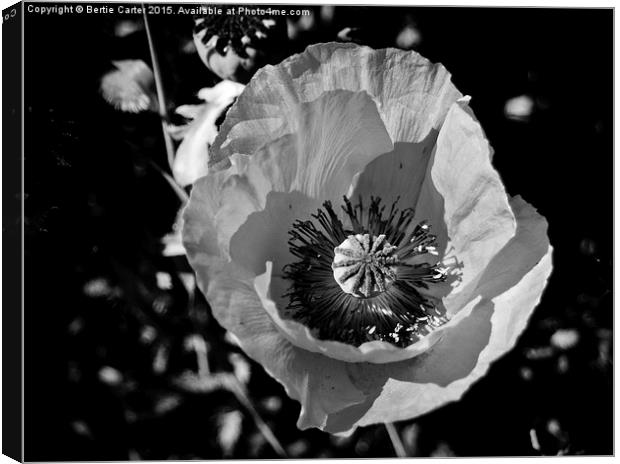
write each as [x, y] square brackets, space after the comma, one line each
[307, 231]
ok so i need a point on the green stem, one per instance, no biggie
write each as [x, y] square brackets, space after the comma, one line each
[395, 439]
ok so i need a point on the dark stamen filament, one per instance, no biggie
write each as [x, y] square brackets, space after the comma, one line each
[358, 284]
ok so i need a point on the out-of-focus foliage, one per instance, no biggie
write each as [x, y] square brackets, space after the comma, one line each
[123, 359]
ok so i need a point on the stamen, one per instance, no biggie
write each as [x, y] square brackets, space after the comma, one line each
[358, 284]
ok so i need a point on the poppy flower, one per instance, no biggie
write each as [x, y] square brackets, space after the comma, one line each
[356, 239]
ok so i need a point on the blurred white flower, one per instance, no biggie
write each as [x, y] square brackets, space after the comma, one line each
[130, 87]
[192, 156]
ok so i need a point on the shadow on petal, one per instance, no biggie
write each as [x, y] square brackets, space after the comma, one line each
[340, 422]
[519, 255]
[398, 174]
[452, 358]
[402, 175]
[455, 356]
[264, 235]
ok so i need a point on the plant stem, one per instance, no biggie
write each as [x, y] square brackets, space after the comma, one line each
[180, 193]
[161, 99]
[202, 359]
[239, 391]
[397, 443]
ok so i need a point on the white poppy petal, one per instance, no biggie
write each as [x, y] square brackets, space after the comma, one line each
[412, 94]
[192, 157]
[337, 135]
[465, 201]
[190, 111]
[330, 140]
[397, 175]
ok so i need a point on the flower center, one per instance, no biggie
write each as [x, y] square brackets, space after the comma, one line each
[365, 265]
[368, 280]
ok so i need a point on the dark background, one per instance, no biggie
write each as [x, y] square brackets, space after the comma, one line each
[96, 210]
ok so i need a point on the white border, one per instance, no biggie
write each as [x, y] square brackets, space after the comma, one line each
[486, 3]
